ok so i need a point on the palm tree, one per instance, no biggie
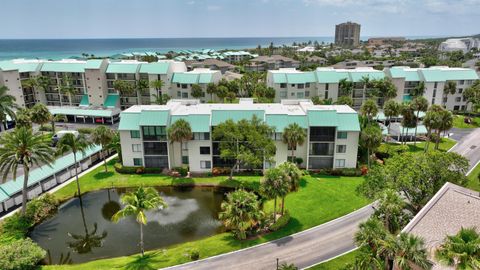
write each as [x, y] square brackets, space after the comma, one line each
[71, 143]
[293, 135]
[450, 87]
[391, 108]
[180, 131]
[446, 123]
[103, 136]
[25, 148]
[275, 184]
[7, 104]
[23, 118]
[410, 250]
[370, 138]
[345, 87]
[142, 87]
[344, 100]
[408, 118]
[369, 109]
[240, 212]
[158, 85]
[431, 122]
[370, 234]
[419, 90]
[136, 203]
[419, 104]
[461, 251]
[66, 88]
[116, 145]
[211, 89]
[365, 80]
[293, 176]
[124, 87]
[40, 114]
[390, 209]
[58, 118]
[161, 99]
[196, 91]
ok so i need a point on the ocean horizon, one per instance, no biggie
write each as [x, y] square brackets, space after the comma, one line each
[56, 49]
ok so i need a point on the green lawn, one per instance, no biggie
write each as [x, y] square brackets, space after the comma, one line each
[337, 263]
[473, 180]
[320, 199]
[458, 122]
[445, 145]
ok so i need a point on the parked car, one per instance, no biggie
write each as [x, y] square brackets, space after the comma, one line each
[61, 133]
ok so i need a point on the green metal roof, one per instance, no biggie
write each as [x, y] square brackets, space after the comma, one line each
[348, 122]
[205, 78]
[84, 101]
[155, 68]
[129, 121]
[198, 122]
[185, 78]
[220, 116]
[303, 77]
[357, 76]
[130, 68]
[463, 74]
[39, 174]
[322, 118]
[63, 67]
[81, 112]
[281, 121]
[279, 78]
[21, 67]
[154, 118]
[432, 75]
[111, 100]
[453, 74]
[330, 76]
[94, 64]
[401, 72]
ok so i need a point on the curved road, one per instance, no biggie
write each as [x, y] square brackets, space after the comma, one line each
[303, 249]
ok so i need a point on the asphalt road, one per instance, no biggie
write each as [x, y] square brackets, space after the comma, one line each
[303, 249]
[469, 147]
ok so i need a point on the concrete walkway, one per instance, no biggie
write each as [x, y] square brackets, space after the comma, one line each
[303, 249]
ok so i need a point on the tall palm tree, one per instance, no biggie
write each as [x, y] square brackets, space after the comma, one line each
[408, 118]
[58, 118]
[370, 138]
[461, 251]
[75, 144]
[103, 136]
[391, 108]
[7, 104]
[161, 99]
[240, 212]
[180, 131]
[419, 90]
[370, 234]
[142, 87]
[293, 135]
[211, 89]
[158, 85]
[369, 109]
[432, 122]
[136, 203]
[365, 80]
[390, 209]
[22, 147]
[41, 115]
[446, 123]
[293, 176]
[116, 145]
[273, 185]
[66, 88]
[23, 118]
[419, 104]
[346, 87]
[450, 87]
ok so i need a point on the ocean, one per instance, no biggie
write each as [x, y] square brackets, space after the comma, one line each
[56, 49]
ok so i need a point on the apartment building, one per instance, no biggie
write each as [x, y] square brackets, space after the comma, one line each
[434, 78]
[264, 63]
[182, 82]
[332, 140]
[237, 56]
[323, 82]
[13, 75]
[347, 34]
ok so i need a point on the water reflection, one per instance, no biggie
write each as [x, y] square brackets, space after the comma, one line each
[84, 225]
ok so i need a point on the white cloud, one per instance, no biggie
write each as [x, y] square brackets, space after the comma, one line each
[453, 7]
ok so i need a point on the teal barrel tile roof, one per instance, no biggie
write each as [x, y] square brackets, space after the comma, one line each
[94, 64]
[129, 121]
[198, 122]
[220, 116]
[21, 67]
[281, 121]
[372, 75]
[303, 77]
[330, 76]
[155, 68]
[348, 122]
[111, 101]
[63, 67]
[205, 78]
[126, 68]
[81, 112]
[84, 101]
[322, 118]
[154, 118]
[279, 78]
[13, 187]
[185, 78]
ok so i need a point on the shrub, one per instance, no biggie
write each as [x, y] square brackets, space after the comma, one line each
[20, 255]
[183, 171]
[124, 169]
[220, 171]
[41, 208]
[338, 172]
[85, 130]
[193, 254]
[298, 161]
[388, 150]
[281, 222]
[45, 128]
[14, 228]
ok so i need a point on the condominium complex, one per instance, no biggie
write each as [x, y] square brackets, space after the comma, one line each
[347, 34]
[325, 82]
[332, 133]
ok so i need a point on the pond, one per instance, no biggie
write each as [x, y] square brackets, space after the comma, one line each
[77, 236]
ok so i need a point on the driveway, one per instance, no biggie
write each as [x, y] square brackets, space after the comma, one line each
[469, 147]
[303, 249]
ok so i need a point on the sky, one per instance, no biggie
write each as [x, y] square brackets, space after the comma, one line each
[234, 18]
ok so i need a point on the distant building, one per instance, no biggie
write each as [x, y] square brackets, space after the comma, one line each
[383, 40]
[264, 63]
[213, 64]
[347, 34]
[459, 44]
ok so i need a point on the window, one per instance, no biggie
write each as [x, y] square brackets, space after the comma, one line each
[342, 135]
[460, 90]
[339, 163]
[293, 85]
[184, 95]
[293, 94]
[185, 159]
[283, 94]
[136, 148]
[341, 148]
[137, 162]
[204, 150]
[455, 108]
[156, 162]
[283, 85]
[307, 93]
[201, 136]
[435, 85]
[458, 99]
[300, 95]
[321, 149]
[178, 85]
[300, 86]
[326, 94]
[184, 86]
[434, 92]
[307, 85]
[462, 82]
[326, 86]
[179, 94]
[205, 164]
[155, 148]
[134, 134]
[154, 133]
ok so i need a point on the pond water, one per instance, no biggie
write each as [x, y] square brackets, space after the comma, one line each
[78, 236]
